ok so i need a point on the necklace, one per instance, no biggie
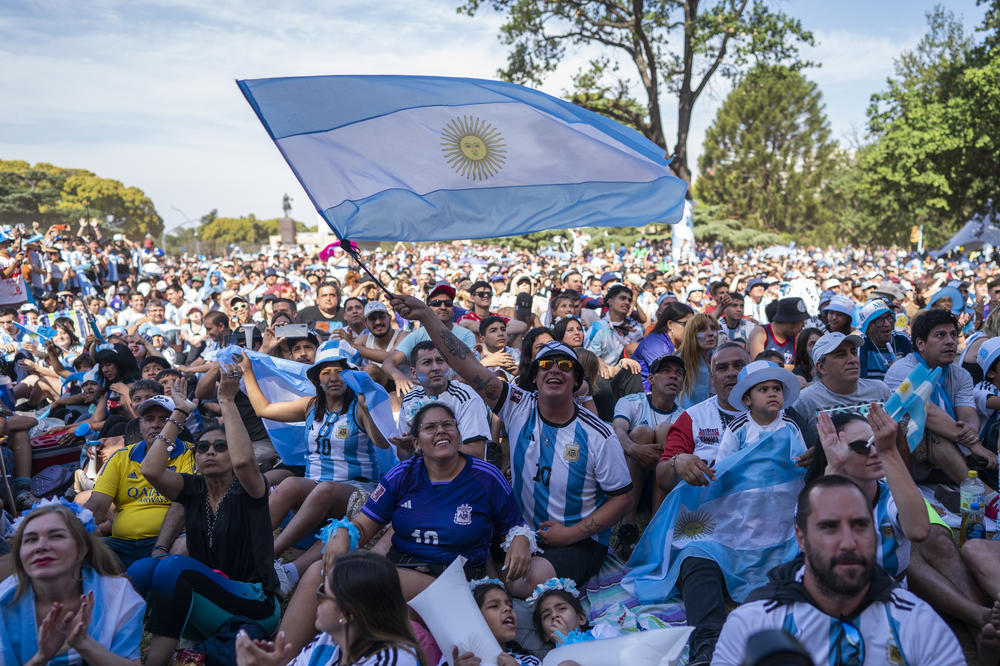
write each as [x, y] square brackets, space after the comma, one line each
[211, 517]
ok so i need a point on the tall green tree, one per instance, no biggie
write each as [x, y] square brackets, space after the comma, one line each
[934, 157]
[768, 154]
[674, 46]
[49, 195]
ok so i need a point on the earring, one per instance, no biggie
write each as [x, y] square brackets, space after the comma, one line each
[340, 621]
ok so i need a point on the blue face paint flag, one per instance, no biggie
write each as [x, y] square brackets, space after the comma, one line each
[423, 158]
[911, 397]
[280, 380]
[744, 521]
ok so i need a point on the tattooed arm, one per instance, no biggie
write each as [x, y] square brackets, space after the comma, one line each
[461, 359]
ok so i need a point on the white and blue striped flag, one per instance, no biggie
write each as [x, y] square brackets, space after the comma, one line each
[423, 158]
[744, 521]
[280, 379]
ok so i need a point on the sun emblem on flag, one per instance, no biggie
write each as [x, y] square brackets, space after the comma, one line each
[692, 525]
[473, 147]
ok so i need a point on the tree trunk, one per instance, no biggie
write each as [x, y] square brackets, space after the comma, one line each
[685, 104]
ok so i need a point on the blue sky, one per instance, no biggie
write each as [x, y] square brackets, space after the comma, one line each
[142, 90]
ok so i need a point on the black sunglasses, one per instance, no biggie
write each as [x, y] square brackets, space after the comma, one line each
[860, 446]
[439, 304]
[219, 445]
[321, 594]
[484, 294]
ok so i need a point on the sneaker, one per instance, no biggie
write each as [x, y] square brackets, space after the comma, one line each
[24, 499]
[284, 583]
[949, 498]
[703, 657]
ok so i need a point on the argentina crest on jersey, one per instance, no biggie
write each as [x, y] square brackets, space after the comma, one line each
[463, 514]
[571, 453]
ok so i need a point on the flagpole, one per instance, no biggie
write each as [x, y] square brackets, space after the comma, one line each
[351, 248]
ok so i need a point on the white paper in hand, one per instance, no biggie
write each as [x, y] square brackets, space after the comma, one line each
[657, 647]
[451, 614]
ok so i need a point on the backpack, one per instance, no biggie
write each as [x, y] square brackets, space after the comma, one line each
[51, 481]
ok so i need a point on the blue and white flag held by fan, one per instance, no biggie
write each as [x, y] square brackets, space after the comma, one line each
[422, 158]
[732, 521]
[910, 399]
[280, 380]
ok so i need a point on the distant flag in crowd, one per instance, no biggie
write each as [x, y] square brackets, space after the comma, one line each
[280, 379]
[423, 158]
[910, 399]
[731, 521]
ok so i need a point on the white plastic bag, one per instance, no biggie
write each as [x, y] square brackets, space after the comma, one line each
[657, 647]
[451, 614]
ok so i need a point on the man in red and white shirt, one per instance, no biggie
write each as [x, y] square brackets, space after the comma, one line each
[693, 440]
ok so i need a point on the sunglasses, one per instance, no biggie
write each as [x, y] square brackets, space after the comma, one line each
[240, 306]
[441, 304]
[484, 294]
[563, 364]
[860, 446]
[219, 445]
[321, 594]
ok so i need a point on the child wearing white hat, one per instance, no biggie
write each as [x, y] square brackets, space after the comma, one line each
[987, 392]
[762, 389]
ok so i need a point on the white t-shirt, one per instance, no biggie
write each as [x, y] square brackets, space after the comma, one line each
[471, 412]
[638, 410]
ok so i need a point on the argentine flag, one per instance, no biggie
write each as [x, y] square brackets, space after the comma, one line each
[280, 380]
[910, 399]
[423, 158]
[744, 521]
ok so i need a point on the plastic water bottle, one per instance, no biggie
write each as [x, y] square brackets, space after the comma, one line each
[973, 523]
[972, 491]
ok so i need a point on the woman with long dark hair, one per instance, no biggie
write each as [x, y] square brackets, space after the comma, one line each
[341, 454]
[665, 337]
[532, 341]
[804, 367]
[441, 504]
[361, 616]
[230, 567]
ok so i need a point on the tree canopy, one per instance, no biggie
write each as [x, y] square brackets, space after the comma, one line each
[934, 157]
[49, 195]
[768, 155]
[674, 46]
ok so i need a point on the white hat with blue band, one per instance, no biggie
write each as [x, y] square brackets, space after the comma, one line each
[763, 371]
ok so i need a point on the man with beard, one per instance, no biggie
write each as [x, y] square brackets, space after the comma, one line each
[841, 606]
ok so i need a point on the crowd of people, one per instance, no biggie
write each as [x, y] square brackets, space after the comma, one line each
[546, 404]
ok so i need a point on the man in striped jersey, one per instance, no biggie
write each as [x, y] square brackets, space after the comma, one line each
[568, 468]
[429, 369]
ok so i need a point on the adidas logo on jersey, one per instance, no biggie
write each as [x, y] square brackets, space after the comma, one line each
[133, 475]
[406, 505]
